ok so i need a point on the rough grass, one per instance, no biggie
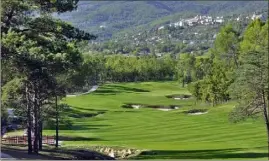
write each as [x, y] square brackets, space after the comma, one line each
[162, 134]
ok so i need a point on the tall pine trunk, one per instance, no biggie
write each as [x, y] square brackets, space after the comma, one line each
[40, 135]
[29, 123]
[39, 124]
[40, 127]
[57, 123]
[36, 129]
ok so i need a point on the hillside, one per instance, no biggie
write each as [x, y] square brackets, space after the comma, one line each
[107, 18]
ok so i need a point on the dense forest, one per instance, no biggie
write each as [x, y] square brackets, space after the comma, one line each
[100, 68]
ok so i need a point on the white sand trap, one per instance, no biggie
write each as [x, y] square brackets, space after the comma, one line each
[176, 107]
[178, 98]
[136, 106]
[165, 109]
[71, 95]
[94, 88]
[198, 113]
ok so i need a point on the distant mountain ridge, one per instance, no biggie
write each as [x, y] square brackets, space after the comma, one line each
[108, 18]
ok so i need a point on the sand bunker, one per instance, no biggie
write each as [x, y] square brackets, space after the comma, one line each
[165, 109]
[136, 106]
[179, 96]
[158, 107]
[196, 112]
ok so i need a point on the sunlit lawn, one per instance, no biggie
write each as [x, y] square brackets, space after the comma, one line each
[164, 134]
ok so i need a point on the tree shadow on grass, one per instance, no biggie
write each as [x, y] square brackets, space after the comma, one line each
[51, 153]
[116, 89]
[126, 111]
[81, 154]
[20, 152]
[199, 154]
[83, 127]
[70, 119]
[84, 115]
[75, 108]
[87, 127]
[78, 138]
[128, 88]
[76, 113]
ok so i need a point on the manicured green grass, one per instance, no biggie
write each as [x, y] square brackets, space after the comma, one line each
[163, 134]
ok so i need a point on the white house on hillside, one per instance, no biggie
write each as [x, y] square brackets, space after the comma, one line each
[219, 20]
[192, 21]
[160, 28]
[254, 16]
[180, 23]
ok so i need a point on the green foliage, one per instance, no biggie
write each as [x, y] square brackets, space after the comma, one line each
[238, 69]
[216, 73]
[226, 45]
[251, 85]
[98, 68]
[186, 68]
[196, 89]
[11, 90]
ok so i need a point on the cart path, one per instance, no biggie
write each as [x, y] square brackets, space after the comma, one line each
[94, 88]
[6, 156]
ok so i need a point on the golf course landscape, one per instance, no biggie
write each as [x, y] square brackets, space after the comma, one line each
[134, 80]
[160, 134]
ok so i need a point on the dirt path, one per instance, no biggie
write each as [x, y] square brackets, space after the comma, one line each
[94, 88]
[6, 156]
[50, 153]
[8, 153]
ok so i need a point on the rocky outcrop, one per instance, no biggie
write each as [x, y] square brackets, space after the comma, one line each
[117, 152]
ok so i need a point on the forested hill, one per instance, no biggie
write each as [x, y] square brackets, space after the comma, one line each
[107, 18]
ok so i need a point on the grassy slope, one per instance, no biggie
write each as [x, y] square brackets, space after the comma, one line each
[170, 134]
